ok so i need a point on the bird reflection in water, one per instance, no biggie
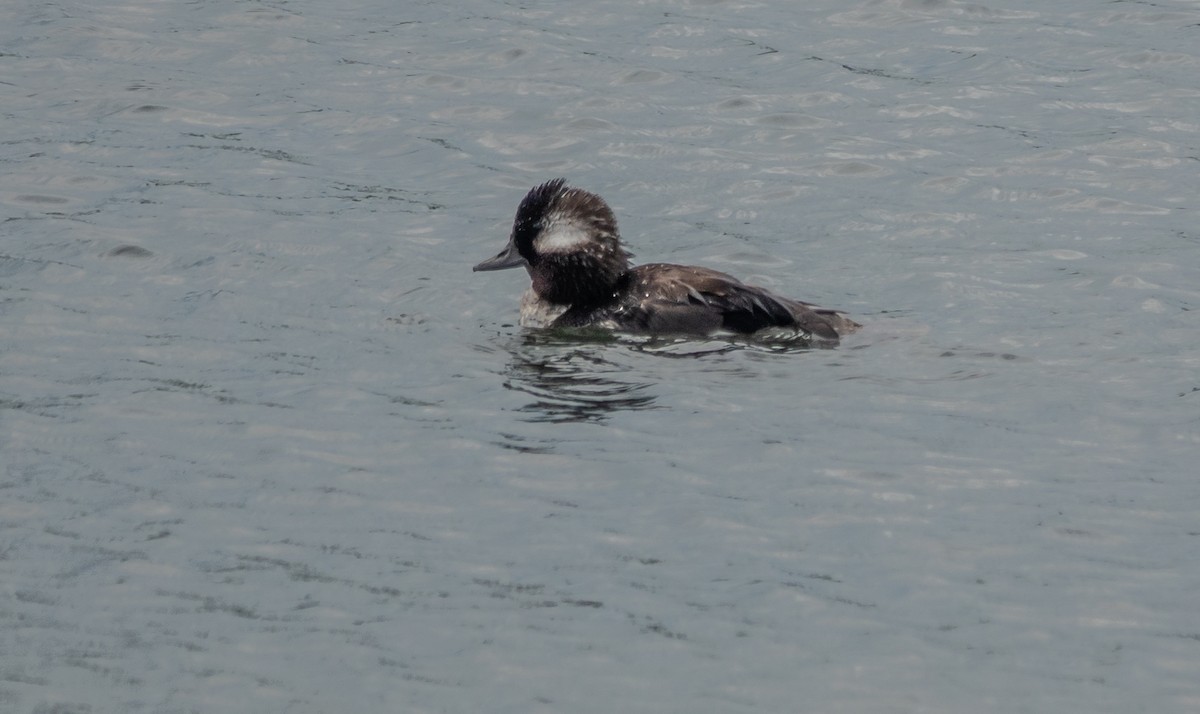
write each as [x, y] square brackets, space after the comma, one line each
[571, 380]
[574, 377]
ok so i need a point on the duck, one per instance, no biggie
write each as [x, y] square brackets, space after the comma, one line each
[567, 240]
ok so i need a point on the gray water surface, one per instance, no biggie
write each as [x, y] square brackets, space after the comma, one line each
[267, 444]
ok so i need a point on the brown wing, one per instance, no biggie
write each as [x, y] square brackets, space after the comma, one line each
[677, 298]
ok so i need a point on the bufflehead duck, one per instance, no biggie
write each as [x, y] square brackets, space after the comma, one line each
[567, 239]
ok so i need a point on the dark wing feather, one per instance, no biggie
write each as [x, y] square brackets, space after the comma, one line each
[676, 298]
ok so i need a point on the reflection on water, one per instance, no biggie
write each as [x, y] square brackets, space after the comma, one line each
[571, 378]
[579, 376]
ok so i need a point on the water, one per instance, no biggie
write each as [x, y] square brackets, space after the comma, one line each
[268, 445]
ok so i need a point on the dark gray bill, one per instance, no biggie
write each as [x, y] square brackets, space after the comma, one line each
[507, 258]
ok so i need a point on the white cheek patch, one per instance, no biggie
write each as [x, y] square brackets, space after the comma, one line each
[561, 236]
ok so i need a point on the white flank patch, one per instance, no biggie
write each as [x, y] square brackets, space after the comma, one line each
[536, 312]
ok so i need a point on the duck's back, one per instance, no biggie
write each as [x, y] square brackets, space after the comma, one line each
[666, 298]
